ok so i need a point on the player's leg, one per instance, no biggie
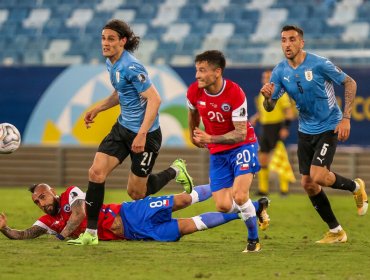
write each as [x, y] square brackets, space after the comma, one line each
[247, 210]
[198, 194]
[103, 165]
[314, 191]
[321, 174]
[205, 221]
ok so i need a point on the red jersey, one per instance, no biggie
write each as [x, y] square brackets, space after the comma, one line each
[218, 111]
[55, 224]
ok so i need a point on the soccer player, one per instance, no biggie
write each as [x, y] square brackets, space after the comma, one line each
[145, 219]
[308, 79]
[137, 131]
[222, 106]
[274, 128]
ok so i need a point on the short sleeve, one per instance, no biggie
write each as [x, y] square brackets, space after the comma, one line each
[138, 76]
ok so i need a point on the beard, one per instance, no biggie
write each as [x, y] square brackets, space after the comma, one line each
[54, 209]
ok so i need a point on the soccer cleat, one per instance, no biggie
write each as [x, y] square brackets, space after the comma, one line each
[263, 217]
[361, 198]
[183, 176]
[85, 238]
[253, 246]
[331, 237]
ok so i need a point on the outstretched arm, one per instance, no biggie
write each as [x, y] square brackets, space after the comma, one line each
[76, 218]
[106, 104]
[30, 233]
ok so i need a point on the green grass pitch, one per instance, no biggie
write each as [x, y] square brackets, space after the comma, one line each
[288, 247]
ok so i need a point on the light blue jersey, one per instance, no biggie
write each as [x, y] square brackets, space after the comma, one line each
[129, 77]
[311, 86]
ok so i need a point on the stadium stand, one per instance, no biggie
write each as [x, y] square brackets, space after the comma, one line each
[246, 30]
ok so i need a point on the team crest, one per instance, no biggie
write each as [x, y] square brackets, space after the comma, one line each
[117, 77]
[67, 208]
[225, 107]
[308, 74]
[141, 77]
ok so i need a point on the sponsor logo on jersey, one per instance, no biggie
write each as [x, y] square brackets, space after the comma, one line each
[117, 77]
[308, 74]
[67, 208]
[225, 107]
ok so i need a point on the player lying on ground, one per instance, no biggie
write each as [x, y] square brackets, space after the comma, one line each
[145, 219]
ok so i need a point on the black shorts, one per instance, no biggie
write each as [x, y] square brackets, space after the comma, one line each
[118, 144]
[318, 149]
[269, 136]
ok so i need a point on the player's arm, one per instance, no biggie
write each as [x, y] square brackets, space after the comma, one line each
[30, 233]
[235, 136]
[154, 101]
[350, 88]
[77, 216]
[193, 123]
[268, 103]
[106, 104]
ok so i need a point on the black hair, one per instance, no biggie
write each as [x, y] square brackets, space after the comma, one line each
[124, 30]
[213, 57]
[32, 187]
[293, 27]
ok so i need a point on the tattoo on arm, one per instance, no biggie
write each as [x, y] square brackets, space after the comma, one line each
[269, 104]
[30, 233]
[77, 216]
[235, 136]
[350, 88]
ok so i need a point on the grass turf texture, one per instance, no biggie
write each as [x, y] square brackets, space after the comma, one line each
[288, 247]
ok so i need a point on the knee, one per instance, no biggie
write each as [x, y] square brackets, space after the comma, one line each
[310, 186]
[240, 198]
[223, 207]
[96, 175]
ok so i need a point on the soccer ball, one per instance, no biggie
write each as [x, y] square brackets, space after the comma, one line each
[10, 138]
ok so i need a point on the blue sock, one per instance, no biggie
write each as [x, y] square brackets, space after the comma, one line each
[251, 224]
[204, 192]
[214, 219]
[256, 205]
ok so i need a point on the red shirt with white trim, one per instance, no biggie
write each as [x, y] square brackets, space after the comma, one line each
[218, 111]
[55, 224]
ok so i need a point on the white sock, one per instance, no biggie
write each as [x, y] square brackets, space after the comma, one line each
[234, 208]
[336, 229]
[176, 169]
[92, 231]
[247, 210]
[357, 187]
[194, 197]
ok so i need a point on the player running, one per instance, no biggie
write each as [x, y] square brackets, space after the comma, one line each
[308, 79]
[222, 106]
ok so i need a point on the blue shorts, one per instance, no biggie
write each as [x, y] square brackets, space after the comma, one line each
[150, 219]
[225, 166]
